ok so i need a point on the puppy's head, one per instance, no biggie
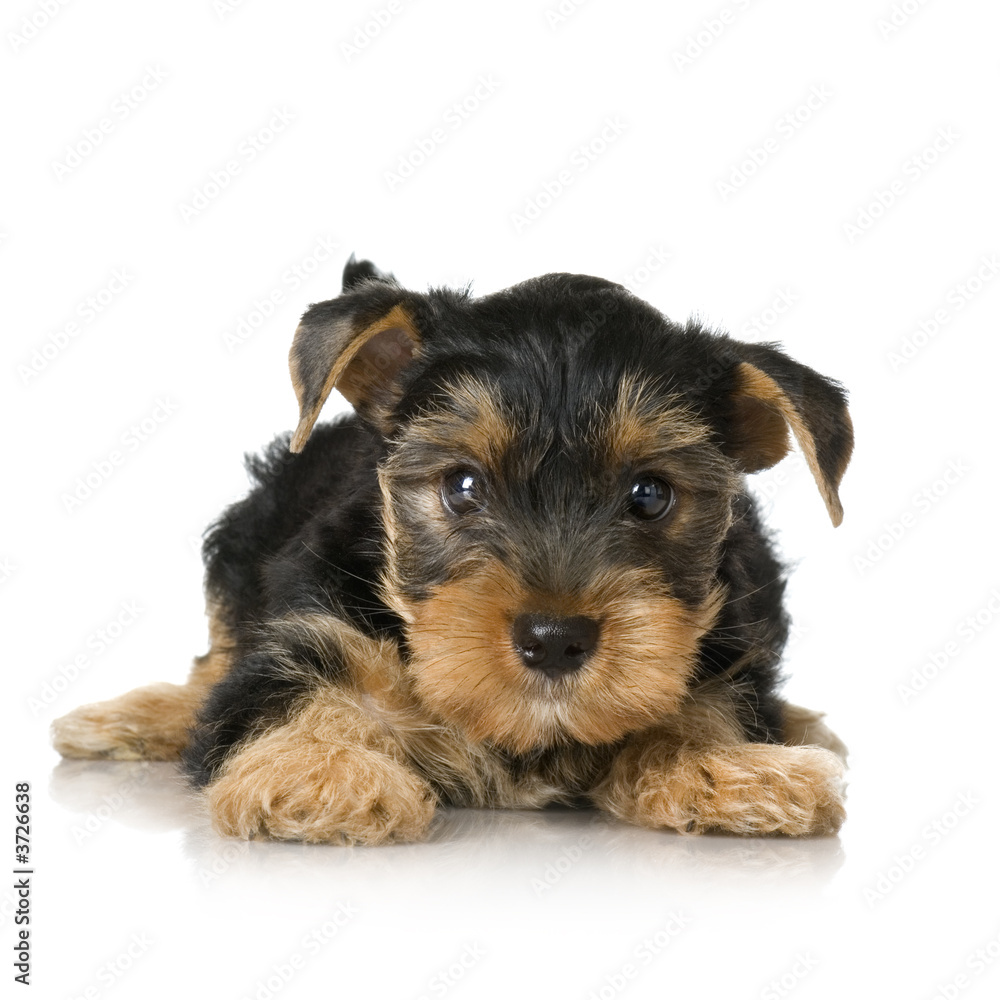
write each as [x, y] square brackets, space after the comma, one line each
[559, 482]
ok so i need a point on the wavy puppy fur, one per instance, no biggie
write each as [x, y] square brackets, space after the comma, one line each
[525, 570]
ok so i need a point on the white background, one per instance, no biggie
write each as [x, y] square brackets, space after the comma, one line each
[133, 894]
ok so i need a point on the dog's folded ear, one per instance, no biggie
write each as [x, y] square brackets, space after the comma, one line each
[771, 393]
[357, 343]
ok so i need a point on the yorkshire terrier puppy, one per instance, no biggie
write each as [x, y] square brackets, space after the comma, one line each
[525, 570]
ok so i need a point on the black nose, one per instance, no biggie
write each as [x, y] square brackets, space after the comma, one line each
[555, 646]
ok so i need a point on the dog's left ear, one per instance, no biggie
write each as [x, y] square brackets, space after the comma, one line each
[358, 343]
[771, 393]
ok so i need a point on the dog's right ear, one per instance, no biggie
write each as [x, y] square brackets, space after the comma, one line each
[358, 344]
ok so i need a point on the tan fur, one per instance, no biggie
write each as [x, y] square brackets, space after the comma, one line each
[148, 723]
[771, 440]
[804, 727]
[380, 690]
[635, 428]
[472, 424]
[465, 667]
[359, 762]
[386, 343]
[365, 761]
[332, 773]
[697, 775]
[362, 365]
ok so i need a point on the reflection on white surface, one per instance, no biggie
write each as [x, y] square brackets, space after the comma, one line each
[538, 848]
[556, 903]
[140, 794]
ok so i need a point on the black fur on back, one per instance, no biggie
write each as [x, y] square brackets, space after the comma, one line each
[306, 537]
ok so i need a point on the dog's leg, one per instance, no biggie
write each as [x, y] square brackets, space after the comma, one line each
[699, 776]
[804, 727]
[149, 723]
[331, 774]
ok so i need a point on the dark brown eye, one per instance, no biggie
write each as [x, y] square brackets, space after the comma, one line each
[461, 493]
[651, 498]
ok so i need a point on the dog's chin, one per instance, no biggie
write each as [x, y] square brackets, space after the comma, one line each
[535, 713]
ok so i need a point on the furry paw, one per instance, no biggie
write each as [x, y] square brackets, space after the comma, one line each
[149, 723]
[756, 788]
[319, 793]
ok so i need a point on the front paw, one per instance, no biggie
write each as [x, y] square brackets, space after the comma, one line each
[149, 723]
[755, 788]
[319, 793]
